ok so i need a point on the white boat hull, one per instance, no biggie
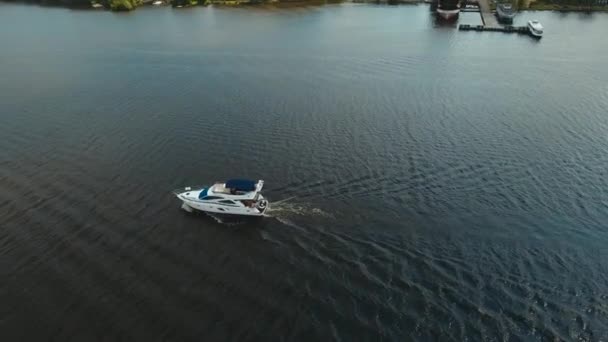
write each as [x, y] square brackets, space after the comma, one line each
[535, 32]
[190, 206]
[234, 197]
[505, 17]
[448, 14]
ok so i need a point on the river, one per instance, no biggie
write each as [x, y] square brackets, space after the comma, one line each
[425, 183]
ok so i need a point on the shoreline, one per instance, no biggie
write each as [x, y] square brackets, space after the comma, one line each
[130, 5]
[564, 8]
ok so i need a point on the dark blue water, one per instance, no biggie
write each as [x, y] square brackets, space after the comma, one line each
[427, 184]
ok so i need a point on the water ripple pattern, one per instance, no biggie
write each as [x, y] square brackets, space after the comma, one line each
[425, 184]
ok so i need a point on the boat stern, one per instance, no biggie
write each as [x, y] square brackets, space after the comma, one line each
[262, 206]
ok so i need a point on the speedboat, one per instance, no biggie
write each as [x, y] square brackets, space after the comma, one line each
[233, 197]
[505, 12]
[157, 3]
[535, 28]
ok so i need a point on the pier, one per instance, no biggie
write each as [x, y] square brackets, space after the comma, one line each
[489, 20]
[487, 17]
[506, 29]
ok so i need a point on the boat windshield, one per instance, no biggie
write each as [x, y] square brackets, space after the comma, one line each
[203, 193]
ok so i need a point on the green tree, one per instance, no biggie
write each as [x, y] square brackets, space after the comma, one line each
[124, 5]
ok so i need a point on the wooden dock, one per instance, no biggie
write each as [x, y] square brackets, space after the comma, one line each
[490, 22]
[487, 16]
[506, 29]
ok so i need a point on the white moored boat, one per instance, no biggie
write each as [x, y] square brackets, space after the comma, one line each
[535, 28]
[505, 12]
[234, 197]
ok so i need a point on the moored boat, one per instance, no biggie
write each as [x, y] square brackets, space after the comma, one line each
[505, 12]
[448, 9]
[233, 197]
[535, 28]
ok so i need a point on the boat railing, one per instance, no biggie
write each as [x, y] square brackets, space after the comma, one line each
[187, 188]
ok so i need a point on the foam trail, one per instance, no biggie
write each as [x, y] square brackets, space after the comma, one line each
[284, 200]
[226, 221]
[284, 208]
[290, 224]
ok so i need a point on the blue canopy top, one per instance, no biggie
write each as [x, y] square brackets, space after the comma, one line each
[241, 184]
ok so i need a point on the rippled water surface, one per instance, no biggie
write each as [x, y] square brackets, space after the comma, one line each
[428, 184]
